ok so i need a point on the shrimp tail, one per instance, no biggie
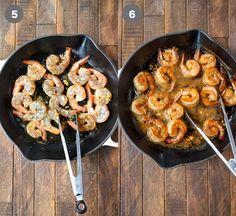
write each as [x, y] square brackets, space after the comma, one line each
[197, 54]
[159, 56]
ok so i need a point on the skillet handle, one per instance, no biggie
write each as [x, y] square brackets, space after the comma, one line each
[2, 62]
[111, 143]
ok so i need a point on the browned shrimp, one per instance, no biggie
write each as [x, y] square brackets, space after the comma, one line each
[214, 128]
[169, 57]
[158, 132]
[229, 94]
[209, 96]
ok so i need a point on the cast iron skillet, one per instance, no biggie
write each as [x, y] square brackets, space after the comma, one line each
[39, 49]
[167, 158]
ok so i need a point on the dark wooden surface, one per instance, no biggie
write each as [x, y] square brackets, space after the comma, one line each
[117, 181]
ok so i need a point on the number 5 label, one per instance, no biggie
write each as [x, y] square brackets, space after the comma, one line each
[13, 14]
[132, 13]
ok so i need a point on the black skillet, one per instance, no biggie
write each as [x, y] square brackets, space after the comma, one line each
[191, 39]
[39, 49]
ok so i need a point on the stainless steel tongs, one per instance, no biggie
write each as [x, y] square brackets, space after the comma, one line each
[76, 181]
[231, 164]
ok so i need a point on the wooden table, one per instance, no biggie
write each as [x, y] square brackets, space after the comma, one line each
[117, 181]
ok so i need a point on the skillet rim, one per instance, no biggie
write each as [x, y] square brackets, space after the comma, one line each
[126, 63]
[98, 49]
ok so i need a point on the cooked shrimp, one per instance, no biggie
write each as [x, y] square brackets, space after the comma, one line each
[164, 76]
[213, 77]
[143, 82]
[158, 132]
[78, 75]
[86, 122]
[57, 64]
[21, 102]
[214, 128]
[58, 102]
[52, 85]
[229, 94]
[35, 70]
[189, 97]
[139, 105]
[75, 94]
[52, 115]
[97, 79]
[191, 69]
[209, 96]
[37, 111]
[101, 113]
[35, 130]
[24, 84]
[102, 96]
[158, 101]
[206, 60]
[177, 130]
[175, 111]
[169, 57]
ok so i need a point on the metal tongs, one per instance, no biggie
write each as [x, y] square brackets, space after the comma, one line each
[231, 164]
[76, 181]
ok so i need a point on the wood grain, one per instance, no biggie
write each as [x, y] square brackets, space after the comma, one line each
[45, 180]
[232, 26]
[196, 16]
[67, 21]
[153, 7]
[131, 158]
[7, 42]
[23, 169]
[88, 18]
[197, 198]
[174, 15]
[108, 22]
[153, 175]
[218, 20]
[46, 12]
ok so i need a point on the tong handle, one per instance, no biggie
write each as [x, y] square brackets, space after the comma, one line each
[81, 206]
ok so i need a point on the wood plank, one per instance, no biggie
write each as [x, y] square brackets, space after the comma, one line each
[131, 158]
[45, 171]
[232, 27]
[109, 167]
[196, 14]
[88, 18]
[219, 187]
[175, 179]
[174, 15]
[46, 12]
[197, 196]
[25, 29]
[23, 169]
[108, 22]
[218, 21]
[175, 191]
[153, 175]
[153, 7]
[153, 27]
[108, 185]
[67, 14]
[7, 42]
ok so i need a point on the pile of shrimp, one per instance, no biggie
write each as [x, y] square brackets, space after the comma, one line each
[174, 84]
[65, 97]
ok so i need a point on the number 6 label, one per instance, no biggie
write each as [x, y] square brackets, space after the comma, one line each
[13, 14]
[132, 13]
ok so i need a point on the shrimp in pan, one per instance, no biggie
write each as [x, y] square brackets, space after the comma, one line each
[190, 69]
[174, 111]
[57, 64]
[77, 74]
[35, 70]
[214, 128]
[189, 97]
[176, 130]
[165, 77]
[169, 57]
[209, 96]
[158, 101]
[20, 102]
[46, 123]
[35, 130]
[143, 82]
[52, 85]
[140, 105]
[25, 85]
[97, 79]
[158, 132]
